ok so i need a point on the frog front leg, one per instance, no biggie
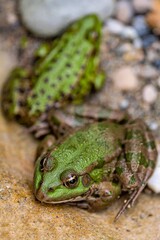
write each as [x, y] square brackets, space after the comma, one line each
[100, 196]
[137, 161]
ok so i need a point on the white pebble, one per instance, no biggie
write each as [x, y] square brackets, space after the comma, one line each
[114, 26]
[137, 43]
[125, 79]
[149, 93]
[129, 33]
[124, 104]
[153, 126]
[154, 181]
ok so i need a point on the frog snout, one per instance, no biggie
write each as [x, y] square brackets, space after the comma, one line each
[40, 195]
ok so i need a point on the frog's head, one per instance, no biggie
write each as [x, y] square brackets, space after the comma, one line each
[57, 181]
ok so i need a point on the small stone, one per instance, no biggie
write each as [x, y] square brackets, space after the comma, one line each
[124, 104]
[158, 81]
[156, 63]
[139, 23]
[114, 26]
[137, 43]
[149, 94]
[154, 181]
[49, 17]
[153, 17]
[153, 126]
[129, 33]
[147, 72]
[124, 11]
[152, 54]
[149, 40]
[117, 28]
[125, 79]
[141, 6]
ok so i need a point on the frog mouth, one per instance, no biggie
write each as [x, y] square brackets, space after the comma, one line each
[42, 197]
[71, 200]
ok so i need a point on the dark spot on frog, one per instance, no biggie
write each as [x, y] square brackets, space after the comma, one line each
[53, 85]
[68, 65]
[72, 87]
[21, 103]
[48, 106]
[59, 78]
[33, 96]
[37, 103]
[83, 66]
[46, 80]
[42, 91]
[77, 51]
[49, 97]
[20, 90]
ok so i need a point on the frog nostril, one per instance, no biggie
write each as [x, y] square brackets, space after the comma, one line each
[51, 189]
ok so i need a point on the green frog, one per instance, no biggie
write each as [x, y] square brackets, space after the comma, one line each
[96, 161]
[66, 70]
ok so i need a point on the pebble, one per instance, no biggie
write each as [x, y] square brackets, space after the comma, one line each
[148, 40]
[154, 181]
[124, 104]
[149, 94]
[49, 17]
[124, 11]
[125, 79]
[141, 6]
[152, 54]
[153, 17]
[147, 71]
[153, 126]
[117, 28]
[114, 26]
[156, 63]
[137, 42]
[129, 33]
[158, 81]
[139, 23]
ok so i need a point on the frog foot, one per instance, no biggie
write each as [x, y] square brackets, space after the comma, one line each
[131, 200]
[39, 129]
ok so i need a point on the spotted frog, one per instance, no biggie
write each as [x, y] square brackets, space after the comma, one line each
[66, 70]
[97, 161]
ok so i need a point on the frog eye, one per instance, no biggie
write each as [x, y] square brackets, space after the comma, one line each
[47, 163]
[69, 179]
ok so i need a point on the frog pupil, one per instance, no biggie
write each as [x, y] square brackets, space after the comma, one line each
[71, 181]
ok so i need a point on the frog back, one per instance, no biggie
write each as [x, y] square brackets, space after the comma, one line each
[59, 73]
[90, 146]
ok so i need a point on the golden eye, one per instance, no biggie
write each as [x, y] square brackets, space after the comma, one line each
[69, 179]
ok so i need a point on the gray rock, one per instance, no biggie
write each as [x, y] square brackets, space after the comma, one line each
[49, 17]
[139, 23]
